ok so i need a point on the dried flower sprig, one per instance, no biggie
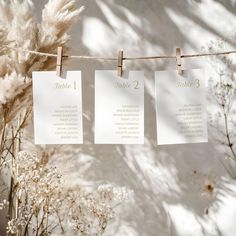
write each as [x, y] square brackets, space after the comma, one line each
[18, 28]
[223, 90]
[44, 205]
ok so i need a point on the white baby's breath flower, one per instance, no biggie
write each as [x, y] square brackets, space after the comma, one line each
[12, 226]
[4, 204]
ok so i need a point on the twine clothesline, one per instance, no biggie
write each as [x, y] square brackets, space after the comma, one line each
[124, 58]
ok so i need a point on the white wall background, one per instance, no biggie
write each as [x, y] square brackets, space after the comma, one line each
[167, 180]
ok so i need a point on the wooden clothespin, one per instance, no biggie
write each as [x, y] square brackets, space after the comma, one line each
[59, 61]
[178, 61]
[120, 64]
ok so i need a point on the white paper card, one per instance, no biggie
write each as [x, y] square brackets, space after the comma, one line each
[181, 107]
[119, 107]
[57, 108]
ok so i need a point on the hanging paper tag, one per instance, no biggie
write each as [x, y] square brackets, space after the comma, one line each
[181, 107]
[57, 108]
[119, 107]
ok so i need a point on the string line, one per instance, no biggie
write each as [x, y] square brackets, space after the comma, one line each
[125, 58]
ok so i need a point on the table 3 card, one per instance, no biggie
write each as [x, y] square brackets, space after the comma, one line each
[119, 107]
[57, 108]
[181, 107]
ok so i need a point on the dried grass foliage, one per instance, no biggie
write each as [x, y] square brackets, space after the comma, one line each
[19, 29]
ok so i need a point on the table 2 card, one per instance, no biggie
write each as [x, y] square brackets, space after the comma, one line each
[57, 108]
[119, 107]
[181, 107]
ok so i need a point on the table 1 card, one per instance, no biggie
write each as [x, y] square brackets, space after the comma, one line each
[181, 107]
[57, 108]
[119, 107]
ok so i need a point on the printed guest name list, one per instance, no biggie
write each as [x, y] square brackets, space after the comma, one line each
[119, 107]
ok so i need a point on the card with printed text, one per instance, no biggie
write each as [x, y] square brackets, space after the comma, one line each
[181, 107]
[119, 107]
[57, 108]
